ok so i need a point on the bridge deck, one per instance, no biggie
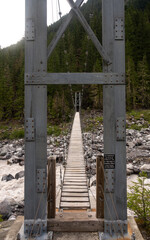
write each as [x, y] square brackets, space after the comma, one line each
[75, 191]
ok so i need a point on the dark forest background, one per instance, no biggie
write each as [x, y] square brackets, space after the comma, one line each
[76, 53]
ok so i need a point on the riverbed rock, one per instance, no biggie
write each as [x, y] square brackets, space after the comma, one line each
[19, 175]
[7, 178]
[5, 208]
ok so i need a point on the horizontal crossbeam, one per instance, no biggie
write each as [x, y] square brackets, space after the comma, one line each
[75, 78]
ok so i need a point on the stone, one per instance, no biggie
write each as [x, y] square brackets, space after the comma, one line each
[136, 169]
[12, 218]
[7, 178]
[19, 175]
[146, 168]
[4, 177]
[5, 209]
[138, 142]
[129, 169]
[3, 152]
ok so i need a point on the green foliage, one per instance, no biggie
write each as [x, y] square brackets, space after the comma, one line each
[137, 127]
[11, 131]
[138, 114]
[139, 199]
[54, 130]
[1, 220]
[16, 134]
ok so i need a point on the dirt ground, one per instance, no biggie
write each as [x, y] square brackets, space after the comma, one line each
[4, 228]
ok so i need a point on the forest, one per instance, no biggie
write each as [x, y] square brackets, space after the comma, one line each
[76, 53]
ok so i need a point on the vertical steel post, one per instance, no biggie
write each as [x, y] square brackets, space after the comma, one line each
[120, 111]
[115, 209]
[36, 113]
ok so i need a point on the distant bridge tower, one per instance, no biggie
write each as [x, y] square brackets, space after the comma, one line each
[77, 101]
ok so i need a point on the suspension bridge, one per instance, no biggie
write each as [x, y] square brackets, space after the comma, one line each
[75, 190]
[75, 213]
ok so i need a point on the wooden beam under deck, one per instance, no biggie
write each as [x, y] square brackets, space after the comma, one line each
[75, 222]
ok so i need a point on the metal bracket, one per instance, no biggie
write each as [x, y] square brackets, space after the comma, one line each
[109, 180]
[41, 180]
[30, 30]
[117, 227]
[29, 129]
[119, 28]
[120, 129]
[35, 228]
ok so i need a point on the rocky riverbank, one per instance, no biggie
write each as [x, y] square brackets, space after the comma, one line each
[12, 162]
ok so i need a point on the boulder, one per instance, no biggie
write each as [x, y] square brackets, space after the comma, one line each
[5, 208]
[19, 175]
[146, 168]
[7, 178]
[130, 169]
[3, 152]
[4, 177]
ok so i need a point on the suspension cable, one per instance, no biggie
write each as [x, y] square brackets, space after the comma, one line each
[52, 11]
[60, 13]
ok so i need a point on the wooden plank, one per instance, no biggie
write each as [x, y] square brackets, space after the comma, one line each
[74, 199]
[51, 199]
[75, 222]
[75, 175]
[75, 204]
[68, 194]
[75, 171]
[74, 187]
[78, 180]
[74, 190]
[100, 187]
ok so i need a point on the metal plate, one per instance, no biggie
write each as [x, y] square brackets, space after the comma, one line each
[35, 227]
[109, 180]
[119, 29]
[41, 180]
[29, 129]
[109, 161]
[113, 228]
[30, 31]
[120, 129]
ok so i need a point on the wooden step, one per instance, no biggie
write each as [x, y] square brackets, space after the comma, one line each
[79, 180]
[68, 194]
[74, 199]
[75, 205]
[74, 190]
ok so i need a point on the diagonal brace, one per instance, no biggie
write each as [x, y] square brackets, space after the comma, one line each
[90, 32]
[61, 30]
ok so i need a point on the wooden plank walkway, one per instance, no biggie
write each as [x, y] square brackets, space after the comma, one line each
[74, 193]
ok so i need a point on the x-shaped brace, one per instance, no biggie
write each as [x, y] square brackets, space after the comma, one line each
[62, 28]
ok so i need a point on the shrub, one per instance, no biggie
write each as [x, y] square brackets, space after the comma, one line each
[139, 199]
[53, 130]
[16, 134]
[1, 220]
